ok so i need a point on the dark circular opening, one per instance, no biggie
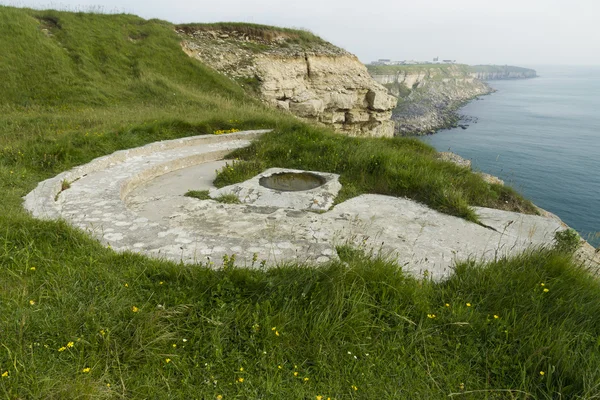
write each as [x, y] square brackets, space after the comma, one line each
[292, 181]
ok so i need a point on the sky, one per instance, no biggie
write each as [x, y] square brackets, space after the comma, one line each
[516, 32]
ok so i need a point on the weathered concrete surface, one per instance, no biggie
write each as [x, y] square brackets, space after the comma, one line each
[251, 192]
[134, 201]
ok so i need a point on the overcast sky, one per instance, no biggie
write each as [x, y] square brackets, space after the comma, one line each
[518, 32]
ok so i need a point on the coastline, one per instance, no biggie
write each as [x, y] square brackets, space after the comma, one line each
[531, 167]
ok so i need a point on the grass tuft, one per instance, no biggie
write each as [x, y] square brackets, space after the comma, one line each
[198, 194]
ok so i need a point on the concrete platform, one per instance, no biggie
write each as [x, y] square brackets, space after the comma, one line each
[133, 201]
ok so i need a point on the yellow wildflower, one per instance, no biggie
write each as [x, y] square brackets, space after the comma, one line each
[102, 332]
[70, 344]
[276, 333]
[32, 268]
[319, 397]
[468, 304]
[5, 374]
[279, 366]
[86, 370]
[461, 386]
[273, 328]
[167, 360]
[219, 397]
[108, 385]
[496, 317]
[305, 379]
[542, 284]
[174, 345]
[135, 309]
[160, 283]
[240, 380]
[447, 305]
[241, 369]
[62, 349]
[542, 373]
[546, 290]
[127, 285]
[431, 316]
[31, 302]
[354, 388]
[295, 373]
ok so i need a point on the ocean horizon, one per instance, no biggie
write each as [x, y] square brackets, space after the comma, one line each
[542, 137]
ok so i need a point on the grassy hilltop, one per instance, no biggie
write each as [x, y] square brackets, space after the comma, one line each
[78, 320]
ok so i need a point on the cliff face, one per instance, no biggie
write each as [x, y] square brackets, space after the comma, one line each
[315, 81]
[498, 72]
[428, 95]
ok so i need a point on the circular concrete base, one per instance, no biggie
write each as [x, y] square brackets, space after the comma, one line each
[133, 201]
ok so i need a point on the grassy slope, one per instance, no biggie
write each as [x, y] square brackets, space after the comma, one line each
[101, 83]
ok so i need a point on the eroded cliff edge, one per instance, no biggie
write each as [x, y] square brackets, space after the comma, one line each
[501, 72]
[295, 71]
[428, 94]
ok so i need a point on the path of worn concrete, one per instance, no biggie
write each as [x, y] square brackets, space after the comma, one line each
[133, 200]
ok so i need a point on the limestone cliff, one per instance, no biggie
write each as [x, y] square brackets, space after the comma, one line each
[298, 72]
[428, 95]
[497, 72]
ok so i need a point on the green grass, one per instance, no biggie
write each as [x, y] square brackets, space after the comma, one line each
[258, 31]
[365, 324]
[499, 68]
[397, 167]
[228, 199]
[198, 194]
[101, 83]
[441, 69]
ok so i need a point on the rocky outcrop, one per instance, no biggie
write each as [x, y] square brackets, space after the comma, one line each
[463, 162]
[313, 80]
[501, 72]
[428, 95]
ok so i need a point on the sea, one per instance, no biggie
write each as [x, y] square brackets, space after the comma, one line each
[542, 137]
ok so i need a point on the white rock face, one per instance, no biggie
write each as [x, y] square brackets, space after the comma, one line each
[428, 94]
[323, 83]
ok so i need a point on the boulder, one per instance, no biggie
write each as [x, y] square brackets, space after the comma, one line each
[380, 101]
[307, 109]
[454, 158]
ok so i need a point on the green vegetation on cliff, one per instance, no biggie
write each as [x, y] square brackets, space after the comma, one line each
[491, 72]
[428, 94]
[78, 320]
[499, 68]
[257, 31]
[444, 69]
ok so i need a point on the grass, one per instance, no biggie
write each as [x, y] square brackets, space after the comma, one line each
[149, 328]
[228, 199]
[198, 194]
[441, 69]
[499, 68]
[257, 31]
[398, 167]
[78, 320]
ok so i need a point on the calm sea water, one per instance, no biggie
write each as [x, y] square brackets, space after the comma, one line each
[541, 136]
